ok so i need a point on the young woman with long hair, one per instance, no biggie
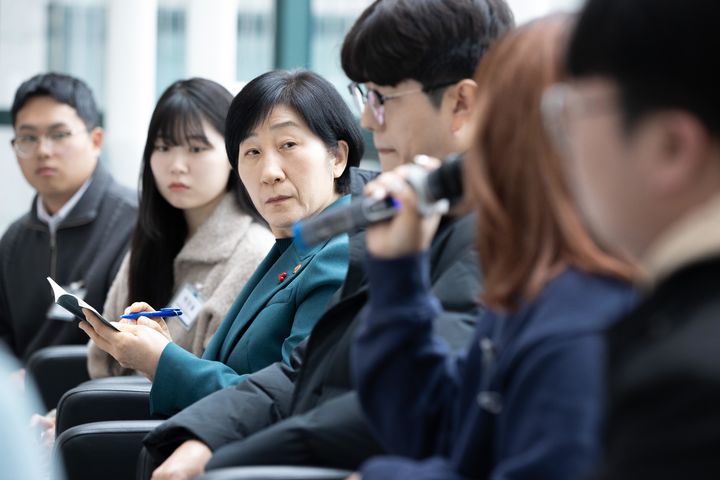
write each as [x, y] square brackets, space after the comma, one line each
[198, 237]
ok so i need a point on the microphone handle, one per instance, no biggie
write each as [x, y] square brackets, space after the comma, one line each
[444, 184]
[356, 216]
[447, 181]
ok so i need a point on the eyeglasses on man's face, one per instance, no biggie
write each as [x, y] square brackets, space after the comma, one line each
[26, 145]
[563, 104]
[375, 100]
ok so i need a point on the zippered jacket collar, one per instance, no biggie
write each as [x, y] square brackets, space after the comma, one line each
[86, 209]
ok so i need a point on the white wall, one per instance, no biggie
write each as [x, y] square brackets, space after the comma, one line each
[22, 55]
[526, 10]
[129, 84]
[212, 56]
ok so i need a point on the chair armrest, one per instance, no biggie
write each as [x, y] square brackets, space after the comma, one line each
[56, 370]
[275, 473]
[107, 450]
[105, 399]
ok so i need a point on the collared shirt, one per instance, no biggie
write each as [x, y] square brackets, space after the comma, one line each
[692, 238]
[54, 220]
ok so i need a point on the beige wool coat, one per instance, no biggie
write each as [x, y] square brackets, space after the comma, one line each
[218, 260]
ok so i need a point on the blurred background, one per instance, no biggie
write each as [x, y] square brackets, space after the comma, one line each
[129, 51]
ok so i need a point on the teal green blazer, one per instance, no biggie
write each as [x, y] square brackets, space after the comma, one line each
[275, 310]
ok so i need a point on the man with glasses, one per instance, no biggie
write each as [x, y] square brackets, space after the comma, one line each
[640, 120]
[78, 225]
[418, 97]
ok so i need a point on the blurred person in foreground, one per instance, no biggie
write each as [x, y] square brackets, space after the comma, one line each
[23, 451]
[640, 118]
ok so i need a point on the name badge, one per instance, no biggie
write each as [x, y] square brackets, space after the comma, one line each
[56, 312]
[190, 301]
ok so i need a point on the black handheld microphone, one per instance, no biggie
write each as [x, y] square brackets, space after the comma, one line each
[444, 184]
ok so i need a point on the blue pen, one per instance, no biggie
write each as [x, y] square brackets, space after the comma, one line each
[163, 312]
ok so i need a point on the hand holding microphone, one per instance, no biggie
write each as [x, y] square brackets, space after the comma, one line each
[412, 228]
[410, 188]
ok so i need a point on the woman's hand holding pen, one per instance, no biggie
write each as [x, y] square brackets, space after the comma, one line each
[157, 323]
[138, 345]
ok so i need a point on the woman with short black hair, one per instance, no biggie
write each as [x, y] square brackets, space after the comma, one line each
[292, 139]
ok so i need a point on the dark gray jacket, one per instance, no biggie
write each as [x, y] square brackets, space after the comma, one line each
[663, 384]
[88, 246]
[307, 413]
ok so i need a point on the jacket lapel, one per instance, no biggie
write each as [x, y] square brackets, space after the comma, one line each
[246, 308]
[259, 290]
[212, 352]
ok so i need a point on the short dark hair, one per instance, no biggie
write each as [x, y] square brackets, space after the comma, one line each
[161, 229]
[436, 42]
[64, 89]
[312, 97]
[656, 51]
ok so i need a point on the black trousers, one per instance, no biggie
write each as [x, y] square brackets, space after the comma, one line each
[333, 435]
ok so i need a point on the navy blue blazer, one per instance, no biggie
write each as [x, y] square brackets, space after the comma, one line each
[524, 401]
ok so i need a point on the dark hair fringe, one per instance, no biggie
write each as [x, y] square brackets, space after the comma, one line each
[431, 41]
[64, 89]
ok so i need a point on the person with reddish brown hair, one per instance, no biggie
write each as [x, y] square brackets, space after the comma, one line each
[525, 399]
